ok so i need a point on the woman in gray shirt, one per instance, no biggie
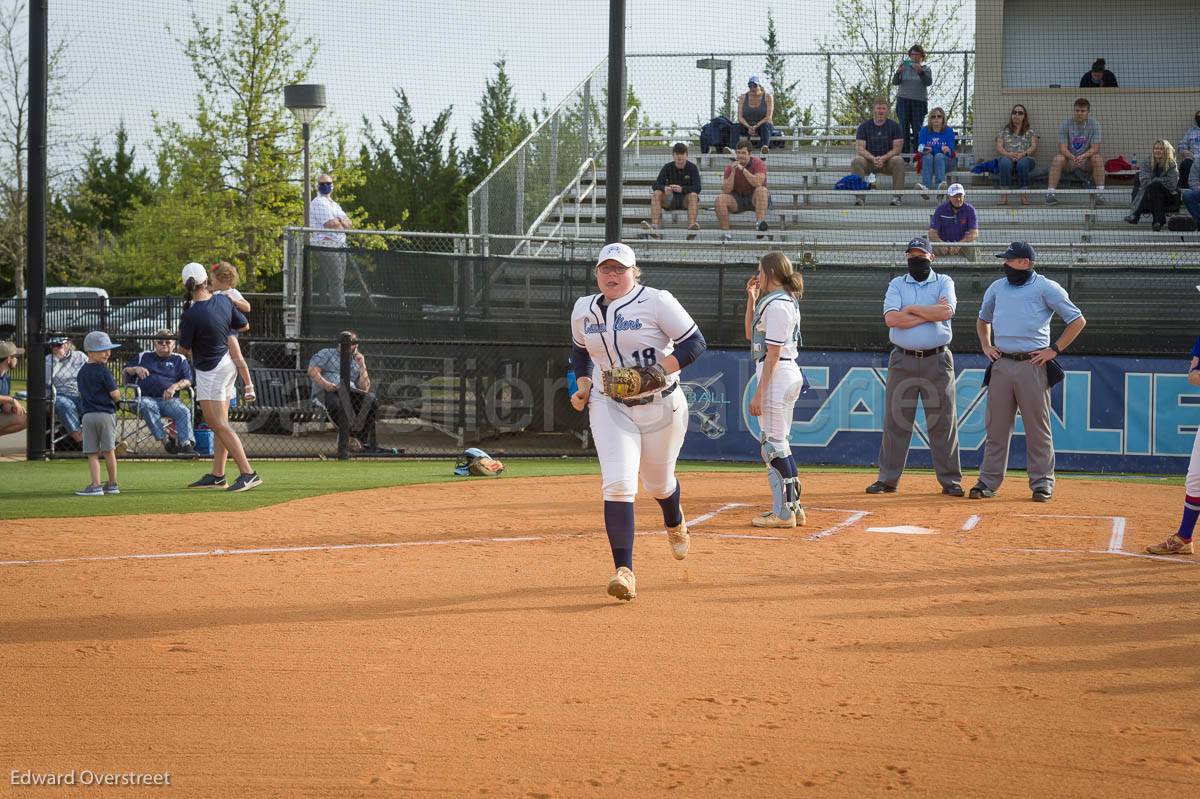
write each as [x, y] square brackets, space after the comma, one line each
[912, 101]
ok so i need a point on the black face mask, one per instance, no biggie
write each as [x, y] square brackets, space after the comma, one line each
[1017, 277]
[1198, 120]
[919, 268]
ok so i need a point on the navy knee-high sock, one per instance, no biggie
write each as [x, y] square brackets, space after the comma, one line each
[1191, 511]
[793, 472]
[618, 523]
[672, 513]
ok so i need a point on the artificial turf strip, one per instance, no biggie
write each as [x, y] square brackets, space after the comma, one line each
[46, 490]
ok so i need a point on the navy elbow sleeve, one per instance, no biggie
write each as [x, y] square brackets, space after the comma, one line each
[691, 348]
[581, 362]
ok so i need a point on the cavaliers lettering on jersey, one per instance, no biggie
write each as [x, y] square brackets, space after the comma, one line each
[638, 329]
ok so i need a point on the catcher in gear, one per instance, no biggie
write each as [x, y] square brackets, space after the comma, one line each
[630, 341]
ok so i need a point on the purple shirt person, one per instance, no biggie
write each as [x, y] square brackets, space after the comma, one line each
[955, 221]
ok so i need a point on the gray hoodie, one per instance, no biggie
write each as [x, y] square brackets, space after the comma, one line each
[912, 83]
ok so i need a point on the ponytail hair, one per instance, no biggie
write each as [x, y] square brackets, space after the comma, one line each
[189, 289]
[777, 267]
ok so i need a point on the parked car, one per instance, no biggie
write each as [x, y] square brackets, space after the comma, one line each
[63, 305]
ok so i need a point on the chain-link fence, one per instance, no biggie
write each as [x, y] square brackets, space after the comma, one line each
[403, 398]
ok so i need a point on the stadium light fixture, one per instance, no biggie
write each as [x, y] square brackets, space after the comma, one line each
[306, 101]
[713, 65]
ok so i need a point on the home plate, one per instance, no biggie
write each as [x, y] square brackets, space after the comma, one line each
[903, 529]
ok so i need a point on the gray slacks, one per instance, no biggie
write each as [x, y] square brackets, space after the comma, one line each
[1018, 385]
[331, 266]
[932, 380]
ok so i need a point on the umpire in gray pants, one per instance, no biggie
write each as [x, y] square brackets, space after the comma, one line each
[917, 310]
[1017, 309]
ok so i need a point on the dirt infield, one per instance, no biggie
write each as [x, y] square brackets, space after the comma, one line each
[463, 645]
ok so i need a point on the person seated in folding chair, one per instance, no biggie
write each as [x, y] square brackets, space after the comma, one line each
[62, 383]
[324, 369]
[160, 374]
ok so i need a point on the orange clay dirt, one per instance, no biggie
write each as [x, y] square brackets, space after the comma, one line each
[953, 663]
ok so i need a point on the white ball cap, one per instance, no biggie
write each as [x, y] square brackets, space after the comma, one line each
[621, 253]
[196, 272]
[955, 190]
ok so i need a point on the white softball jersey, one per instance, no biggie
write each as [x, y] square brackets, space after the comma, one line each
[644, 441]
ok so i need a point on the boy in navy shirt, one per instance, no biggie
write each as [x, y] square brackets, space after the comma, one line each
[98, 390]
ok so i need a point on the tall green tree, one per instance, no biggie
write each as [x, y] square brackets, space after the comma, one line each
[880, 31]
[110, 187]
[412, 177]
[230, 172]
[786, 107]
[501, 126]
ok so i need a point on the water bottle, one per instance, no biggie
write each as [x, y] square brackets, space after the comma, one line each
[204, 439]
[1134, 162]
[572, 382]
[871, 180]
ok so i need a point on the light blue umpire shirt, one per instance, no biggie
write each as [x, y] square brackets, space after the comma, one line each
[1020, 315]
[904, 291]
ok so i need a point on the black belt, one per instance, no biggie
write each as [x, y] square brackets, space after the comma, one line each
[649, 398]
[1017, 356]
[923, 353]
[763, 358]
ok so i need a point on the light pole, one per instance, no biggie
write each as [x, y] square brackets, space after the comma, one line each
[306, 101]
[713, 65]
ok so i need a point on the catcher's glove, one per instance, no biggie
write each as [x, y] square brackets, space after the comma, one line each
[629, 381]
[476, 462]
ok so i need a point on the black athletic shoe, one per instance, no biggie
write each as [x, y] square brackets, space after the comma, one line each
[880, 488]
[245, 482]
[209, 481]
[1041, 495]
[980, 491]
[953, 490]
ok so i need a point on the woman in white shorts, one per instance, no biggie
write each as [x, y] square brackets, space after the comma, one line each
[207, 334]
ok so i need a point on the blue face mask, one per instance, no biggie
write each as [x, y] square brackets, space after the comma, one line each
[325, 188]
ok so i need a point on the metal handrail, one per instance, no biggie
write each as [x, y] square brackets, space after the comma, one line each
[525, 142]
[557, 202]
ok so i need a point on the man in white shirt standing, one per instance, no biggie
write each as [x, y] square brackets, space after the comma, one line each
[323, 212]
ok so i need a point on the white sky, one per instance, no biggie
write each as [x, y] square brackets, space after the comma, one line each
[123, 62]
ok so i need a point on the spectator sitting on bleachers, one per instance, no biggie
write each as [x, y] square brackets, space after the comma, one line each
[62, 373]
[1189, 151]
[756, 111]
[1078, 145]
[1015, 146]
[1157, 189]
[744, 188]
[676, 187]
[937, 144]
[878, 143]
[1098, 77]
[912, 99]
[160, 374]
[955, 221]
[1191, 196]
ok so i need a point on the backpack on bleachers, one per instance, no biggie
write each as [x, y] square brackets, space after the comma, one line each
[1182, 224]
[852, 183]
[718, 133]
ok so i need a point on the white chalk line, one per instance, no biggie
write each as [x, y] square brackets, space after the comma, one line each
[220, 552]
[854, 518]
[1122, 553]
[1116, 537]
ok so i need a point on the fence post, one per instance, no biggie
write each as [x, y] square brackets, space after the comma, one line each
[828, 94]
[484, 210]
[586, 122]
[966, 100]
[345, 407]
[553, 188]
[721, 299]
[520, 200]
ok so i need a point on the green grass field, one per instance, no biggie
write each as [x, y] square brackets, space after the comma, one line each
[46, 490]
[43, 490]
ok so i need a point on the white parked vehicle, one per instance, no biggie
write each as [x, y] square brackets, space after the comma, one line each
[63, 304]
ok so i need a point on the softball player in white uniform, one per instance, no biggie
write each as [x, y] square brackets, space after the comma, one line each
[773, 327]
[1180, 542]
[630, 325]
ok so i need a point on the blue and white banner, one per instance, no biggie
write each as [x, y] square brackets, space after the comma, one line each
[1109, 414]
